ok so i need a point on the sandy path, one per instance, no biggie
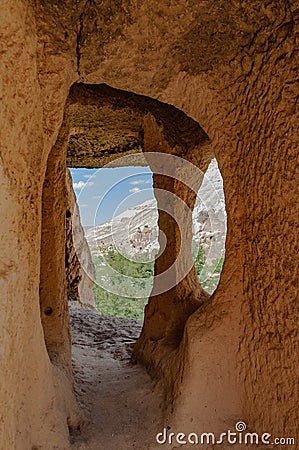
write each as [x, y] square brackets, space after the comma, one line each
[118, 398]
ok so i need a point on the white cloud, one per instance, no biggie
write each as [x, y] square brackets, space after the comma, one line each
[135, 182]
[134, 190]
[81, 184]
[89, 176]
[141, 181]
[83, 205]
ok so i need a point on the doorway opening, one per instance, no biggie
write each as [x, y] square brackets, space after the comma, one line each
[102, 125]
[119, 218]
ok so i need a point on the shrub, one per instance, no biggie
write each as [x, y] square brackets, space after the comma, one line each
[114, 292]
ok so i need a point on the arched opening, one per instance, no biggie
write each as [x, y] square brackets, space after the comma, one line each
[105, 126]
[209, 229]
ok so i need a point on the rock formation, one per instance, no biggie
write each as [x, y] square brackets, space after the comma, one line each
[135, 232]
[77, 255]
[192, 79]
[136, 229]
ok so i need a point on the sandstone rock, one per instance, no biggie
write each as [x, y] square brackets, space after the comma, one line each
[232, 68]
[78, 256]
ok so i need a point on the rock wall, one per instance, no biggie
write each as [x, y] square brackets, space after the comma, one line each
[37, 404]
[231, 67]
[77, 255]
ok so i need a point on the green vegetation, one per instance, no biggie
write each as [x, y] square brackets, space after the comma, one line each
[123, 286]
[117, 306]
[128, 267]
[210, 275]
[198, 257]
[115, 294]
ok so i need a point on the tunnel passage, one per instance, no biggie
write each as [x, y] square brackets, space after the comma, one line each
[102, 126]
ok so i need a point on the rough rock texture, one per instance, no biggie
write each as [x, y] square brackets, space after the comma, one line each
[232, 67]
[93, 109]
[77, 255]
[36, 399]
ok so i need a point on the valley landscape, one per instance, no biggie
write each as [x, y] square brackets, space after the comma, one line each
[124, 249]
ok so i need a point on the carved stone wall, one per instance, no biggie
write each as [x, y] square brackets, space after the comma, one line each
[232, 68]
[80, 271]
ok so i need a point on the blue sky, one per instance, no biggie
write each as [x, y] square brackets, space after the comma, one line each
[103, 193]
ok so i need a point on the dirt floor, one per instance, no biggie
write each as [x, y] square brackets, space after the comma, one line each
[117, 397]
